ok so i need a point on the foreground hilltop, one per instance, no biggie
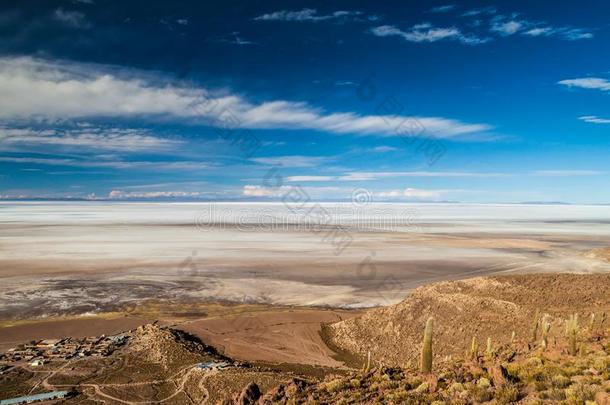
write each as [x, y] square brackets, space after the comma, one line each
[479, 308]
[499, 340]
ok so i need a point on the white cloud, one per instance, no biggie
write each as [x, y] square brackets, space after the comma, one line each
[120, 195]
[118, 139]
[576, 34]
[367, 176]
[567, 173]
[383, 149]
[31, 88]
[260, 191]
[361, 176]
[296, 179]
[427, 33]
[595, 83]
[507, 27]
[371, 176]
[306, 14]
[592, 119]
[443, 9]
[291, 161]
[111, 164]
[570, 34]
[412, 193]
[480, 11]
[250, 190]
[539, 31]
[72, 18]
[232, 38]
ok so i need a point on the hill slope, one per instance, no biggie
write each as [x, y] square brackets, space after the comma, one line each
[480, 307]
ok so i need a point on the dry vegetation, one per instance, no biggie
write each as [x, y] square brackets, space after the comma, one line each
[536, 372]
[480, 308]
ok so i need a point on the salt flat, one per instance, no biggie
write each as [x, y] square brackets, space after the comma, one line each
[71, 258]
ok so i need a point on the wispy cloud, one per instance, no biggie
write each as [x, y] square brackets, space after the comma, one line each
[428, 33]
[126, 195]
[570, 34]
[594, 83]
[443, 9]
[250, 190]
[74, 19]
[306, 14]
[480, 11]
[567, 173]
[112, 164]
[306, 179]
[592, 119]
[368, 176]
[483, 26]
[511, 25]
[411, 193]
[233, 38]
[34, 88]
[96, 138]
[506, 27]
[372, 176]
[383, 149]
[291, 161]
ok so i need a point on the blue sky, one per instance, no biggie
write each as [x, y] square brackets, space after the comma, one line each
[412, 101]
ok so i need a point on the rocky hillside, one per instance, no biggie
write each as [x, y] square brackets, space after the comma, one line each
[525, 378]
[486, 307]
[167, 347]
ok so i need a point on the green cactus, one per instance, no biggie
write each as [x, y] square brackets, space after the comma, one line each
[426, 352]
[489, 350]
[572, 334]
[366, 366]
[535, 326]
[474, 349]
[546, 327]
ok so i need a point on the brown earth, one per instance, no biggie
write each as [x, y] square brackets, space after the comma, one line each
[479, 307]
[274, 336]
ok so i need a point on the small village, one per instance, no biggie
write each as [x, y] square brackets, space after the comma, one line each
[38, 353]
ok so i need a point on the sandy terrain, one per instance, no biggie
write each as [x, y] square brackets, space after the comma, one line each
[271, 337]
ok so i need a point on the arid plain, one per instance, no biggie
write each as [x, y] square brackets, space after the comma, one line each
[78, 258]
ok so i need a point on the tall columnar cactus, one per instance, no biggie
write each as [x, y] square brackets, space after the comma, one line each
[591, 321]
[489, 350]
[426, 352]
[366, 367]
[535, 326]
[513, 336]
[546, 327]
[474, 349]
[572, 334]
